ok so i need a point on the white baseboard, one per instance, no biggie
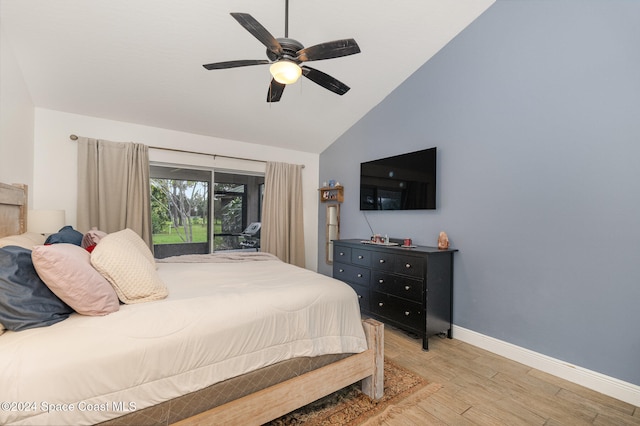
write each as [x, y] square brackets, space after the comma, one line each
[598, 382]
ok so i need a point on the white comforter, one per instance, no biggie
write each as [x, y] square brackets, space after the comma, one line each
[219, 321]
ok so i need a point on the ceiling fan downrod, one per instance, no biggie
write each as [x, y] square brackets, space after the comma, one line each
[286, 18]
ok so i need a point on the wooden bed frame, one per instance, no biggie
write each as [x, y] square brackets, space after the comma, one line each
[13, 209]
[274, 401]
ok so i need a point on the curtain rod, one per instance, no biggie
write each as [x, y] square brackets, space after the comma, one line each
[75, 138]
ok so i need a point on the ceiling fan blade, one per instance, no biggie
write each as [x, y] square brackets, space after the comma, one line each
[328, 50]
[325, 80]
[259, 32]
[235, 64]
[275, 91]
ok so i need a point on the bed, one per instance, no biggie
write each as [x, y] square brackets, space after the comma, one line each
[237, 340]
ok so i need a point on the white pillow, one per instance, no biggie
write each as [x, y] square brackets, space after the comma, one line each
[66, 269]
[127, 263]
[134, 239]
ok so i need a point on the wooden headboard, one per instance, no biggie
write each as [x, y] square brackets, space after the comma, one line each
[13, 209]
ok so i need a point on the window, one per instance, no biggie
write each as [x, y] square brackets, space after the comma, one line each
[191, 214]
[180, 210]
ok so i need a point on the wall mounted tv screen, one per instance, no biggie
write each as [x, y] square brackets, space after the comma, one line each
[401, 182]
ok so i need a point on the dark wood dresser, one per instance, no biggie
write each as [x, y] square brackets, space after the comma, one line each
[410, 288]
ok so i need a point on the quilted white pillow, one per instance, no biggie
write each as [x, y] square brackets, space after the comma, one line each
[127, 263]
[137, 242]
[66, 269]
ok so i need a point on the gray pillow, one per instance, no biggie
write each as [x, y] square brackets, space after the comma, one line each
[25, 300]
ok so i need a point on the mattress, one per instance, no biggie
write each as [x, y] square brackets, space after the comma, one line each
[220, 320]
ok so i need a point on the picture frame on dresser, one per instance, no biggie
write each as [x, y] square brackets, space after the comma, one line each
[410, 288]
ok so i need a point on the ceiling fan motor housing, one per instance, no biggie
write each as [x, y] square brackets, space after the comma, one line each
[290, 49]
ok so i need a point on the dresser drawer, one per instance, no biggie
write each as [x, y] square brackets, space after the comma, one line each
[409, 265]
[383, 261]
[401, 311]
[397, 285]
[361, 257]
[399, 264]
[341, 254]
[351, 274]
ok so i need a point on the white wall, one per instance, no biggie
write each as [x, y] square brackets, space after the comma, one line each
[55, 161]
[16, 120]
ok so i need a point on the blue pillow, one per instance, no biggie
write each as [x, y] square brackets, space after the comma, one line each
[65, 235]
[25, 300]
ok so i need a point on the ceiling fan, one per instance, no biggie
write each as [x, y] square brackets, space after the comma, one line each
[286, 54]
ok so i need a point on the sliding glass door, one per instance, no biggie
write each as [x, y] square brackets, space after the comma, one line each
[237, 206]
[199, 211]
[180, 206]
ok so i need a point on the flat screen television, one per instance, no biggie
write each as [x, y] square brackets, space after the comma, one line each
[401, 182]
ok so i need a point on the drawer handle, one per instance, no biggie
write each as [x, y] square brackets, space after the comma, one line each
[341, 253]
[359, 275]
[359, 296]
[341, 270]
[408, 265]
[407, 313]
[380, 281]
[381, 261]
[360, 257]
[407, 287]
[380, 304]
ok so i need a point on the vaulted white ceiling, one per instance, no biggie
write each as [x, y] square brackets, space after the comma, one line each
[140, 61]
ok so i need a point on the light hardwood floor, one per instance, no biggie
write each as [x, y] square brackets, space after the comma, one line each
[481, 388]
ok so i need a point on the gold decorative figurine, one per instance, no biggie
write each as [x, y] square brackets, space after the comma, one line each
[443, 241]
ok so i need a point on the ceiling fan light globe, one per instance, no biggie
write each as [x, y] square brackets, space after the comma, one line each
[285, 72]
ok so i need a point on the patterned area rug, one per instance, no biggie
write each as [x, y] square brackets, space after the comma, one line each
[350, 406]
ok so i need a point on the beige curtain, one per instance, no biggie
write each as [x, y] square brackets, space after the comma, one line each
[282, 232]
[113, 187]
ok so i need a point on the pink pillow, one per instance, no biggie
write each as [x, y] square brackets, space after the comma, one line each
[66, 269]
[91, 238]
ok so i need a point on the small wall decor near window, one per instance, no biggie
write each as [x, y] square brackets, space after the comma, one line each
[332, 229]
[333, 193]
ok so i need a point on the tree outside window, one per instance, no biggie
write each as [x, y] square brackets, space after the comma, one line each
[179, 210]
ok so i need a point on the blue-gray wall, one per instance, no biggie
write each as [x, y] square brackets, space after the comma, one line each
[535, 110]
